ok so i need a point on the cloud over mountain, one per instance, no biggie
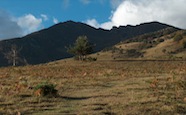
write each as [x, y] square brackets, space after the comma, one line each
[122, 12]
[134, 12]
[95, 24]
[12, 27]
[29, 23]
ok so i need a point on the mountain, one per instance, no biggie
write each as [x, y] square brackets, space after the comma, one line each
[49, 44]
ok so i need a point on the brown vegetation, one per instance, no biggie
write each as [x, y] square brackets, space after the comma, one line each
[38, 92]
[169, 46]
[101, 87]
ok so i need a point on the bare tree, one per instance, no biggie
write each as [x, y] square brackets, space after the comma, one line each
[13, 55]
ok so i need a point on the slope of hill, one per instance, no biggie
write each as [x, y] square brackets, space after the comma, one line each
[100, 88]
[160, 45]
[49, 44]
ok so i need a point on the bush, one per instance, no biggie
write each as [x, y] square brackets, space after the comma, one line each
[46, 89]
[91, 59]
[177, 37]
[164, 50]
[160, 40]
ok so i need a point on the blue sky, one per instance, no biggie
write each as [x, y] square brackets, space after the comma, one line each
[62, 10]
[21, 17]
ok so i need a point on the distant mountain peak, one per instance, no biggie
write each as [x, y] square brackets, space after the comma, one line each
[49, 44]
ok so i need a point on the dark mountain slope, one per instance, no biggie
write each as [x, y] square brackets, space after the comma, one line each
[49, 44]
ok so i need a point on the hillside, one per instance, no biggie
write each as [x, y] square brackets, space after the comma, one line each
[49, 44]
[111, 85]
[100, 88]
[160, 45]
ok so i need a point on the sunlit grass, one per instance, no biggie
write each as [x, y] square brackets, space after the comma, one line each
[102, 87]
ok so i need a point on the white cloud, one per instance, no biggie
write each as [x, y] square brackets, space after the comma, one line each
[107, 25]
[29, 23]
[93, 23]
[55, 21]
[133, 12]
[45, 17]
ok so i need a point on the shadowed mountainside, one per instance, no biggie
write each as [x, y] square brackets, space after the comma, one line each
[49, 44]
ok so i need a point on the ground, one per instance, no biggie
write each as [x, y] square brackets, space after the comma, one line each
[100, 87]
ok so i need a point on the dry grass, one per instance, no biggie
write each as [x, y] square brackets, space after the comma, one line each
[102, 87]
[166, 50]
[156, 52]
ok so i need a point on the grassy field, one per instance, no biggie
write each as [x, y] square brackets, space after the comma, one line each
[101, 87]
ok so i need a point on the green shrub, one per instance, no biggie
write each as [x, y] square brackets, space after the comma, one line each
[47, 89]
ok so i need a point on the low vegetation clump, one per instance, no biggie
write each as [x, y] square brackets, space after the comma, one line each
[178, 37]
[45, 89]
[160, 40]
[90, 59]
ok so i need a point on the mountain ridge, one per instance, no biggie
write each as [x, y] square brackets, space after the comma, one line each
[49, 44]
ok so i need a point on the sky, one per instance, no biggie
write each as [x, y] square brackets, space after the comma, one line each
[21, 17]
